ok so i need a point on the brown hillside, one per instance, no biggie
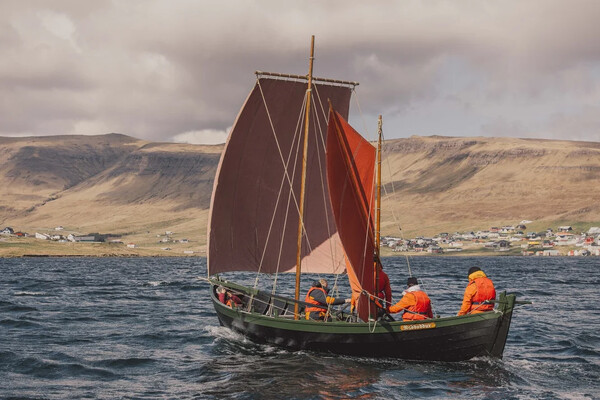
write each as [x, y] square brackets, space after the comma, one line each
[448, 184]
[107, 184]
[117, 184]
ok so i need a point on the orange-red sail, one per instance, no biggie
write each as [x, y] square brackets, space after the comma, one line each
[350, 172]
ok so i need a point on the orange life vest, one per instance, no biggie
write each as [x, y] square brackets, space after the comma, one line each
[310, 300]
[485, 291]
[421, 310]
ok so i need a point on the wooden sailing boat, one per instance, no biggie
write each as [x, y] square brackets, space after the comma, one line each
[288, 198]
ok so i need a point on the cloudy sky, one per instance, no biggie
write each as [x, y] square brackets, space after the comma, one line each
[180, 70]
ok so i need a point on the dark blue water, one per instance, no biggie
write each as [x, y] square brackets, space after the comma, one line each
[105, 328]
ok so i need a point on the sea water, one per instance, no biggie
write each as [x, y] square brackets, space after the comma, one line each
[144, 328]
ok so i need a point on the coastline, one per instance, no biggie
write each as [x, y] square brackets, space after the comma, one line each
[33, 248]
[30, 247]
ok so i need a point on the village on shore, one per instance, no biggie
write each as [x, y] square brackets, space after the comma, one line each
[165, 243]
[505, 240]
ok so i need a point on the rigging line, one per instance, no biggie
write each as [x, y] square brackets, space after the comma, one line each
[319, 135]
[296, 139]
[285, 164]
[352, 173]
[285, 221]
[304, 230]
[394, 215]
[290, 182]
[332, 248]
[425, 290]
[366, 129]
[367, 236]
[362, 117]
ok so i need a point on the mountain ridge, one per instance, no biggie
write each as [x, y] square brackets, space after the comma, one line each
[115, 183]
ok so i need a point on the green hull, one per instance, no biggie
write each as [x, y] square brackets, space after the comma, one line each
[269, 319]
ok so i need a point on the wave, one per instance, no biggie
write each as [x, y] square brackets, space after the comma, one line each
[8, 306]
[27, 293]
[14, 323]
[52, 369]
[126, 362]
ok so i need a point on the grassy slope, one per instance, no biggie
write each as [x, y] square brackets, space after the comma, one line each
[116, 184]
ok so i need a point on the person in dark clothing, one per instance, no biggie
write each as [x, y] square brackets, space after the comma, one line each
[319, 300]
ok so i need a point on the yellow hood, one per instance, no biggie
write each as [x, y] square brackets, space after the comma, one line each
[477, 274]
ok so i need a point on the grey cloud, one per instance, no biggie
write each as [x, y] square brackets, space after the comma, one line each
[157, 69]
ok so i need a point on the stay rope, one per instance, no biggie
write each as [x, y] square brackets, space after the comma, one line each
[285, 176]
[291, 195]
[394, 213]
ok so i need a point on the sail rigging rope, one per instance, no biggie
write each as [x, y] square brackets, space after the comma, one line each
[318, 129]
[296, 139]
[291, 194]
[393, 210]
[332, 248]
[286, 175]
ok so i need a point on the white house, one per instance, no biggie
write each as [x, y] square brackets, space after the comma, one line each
[594, 230]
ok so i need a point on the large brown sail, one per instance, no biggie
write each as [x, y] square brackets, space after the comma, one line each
[253, 219]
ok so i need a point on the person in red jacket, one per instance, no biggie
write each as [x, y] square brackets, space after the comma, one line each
[319, 299]
[233, 301]
[415, 303]
[385, 290]
[228, 298]
[479, 289]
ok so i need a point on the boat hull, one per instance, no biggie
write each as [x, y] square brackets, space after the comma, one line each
[441, 339]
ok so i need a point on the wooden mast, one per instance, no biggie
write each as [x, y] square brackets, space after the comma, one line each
[378, 198]
[303, 180]
[378, 209]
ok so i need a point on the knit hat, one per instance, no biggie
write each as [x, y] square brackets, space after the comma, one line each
[473, 269]
[411, 281]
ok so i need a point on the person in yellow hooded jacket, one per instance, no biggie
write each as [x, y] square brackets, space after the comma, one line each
[479, 289]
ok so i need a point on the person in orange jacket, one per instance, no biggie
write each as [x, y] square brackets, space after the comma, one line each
[415, 303]
[479, 289]
[319, 299]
